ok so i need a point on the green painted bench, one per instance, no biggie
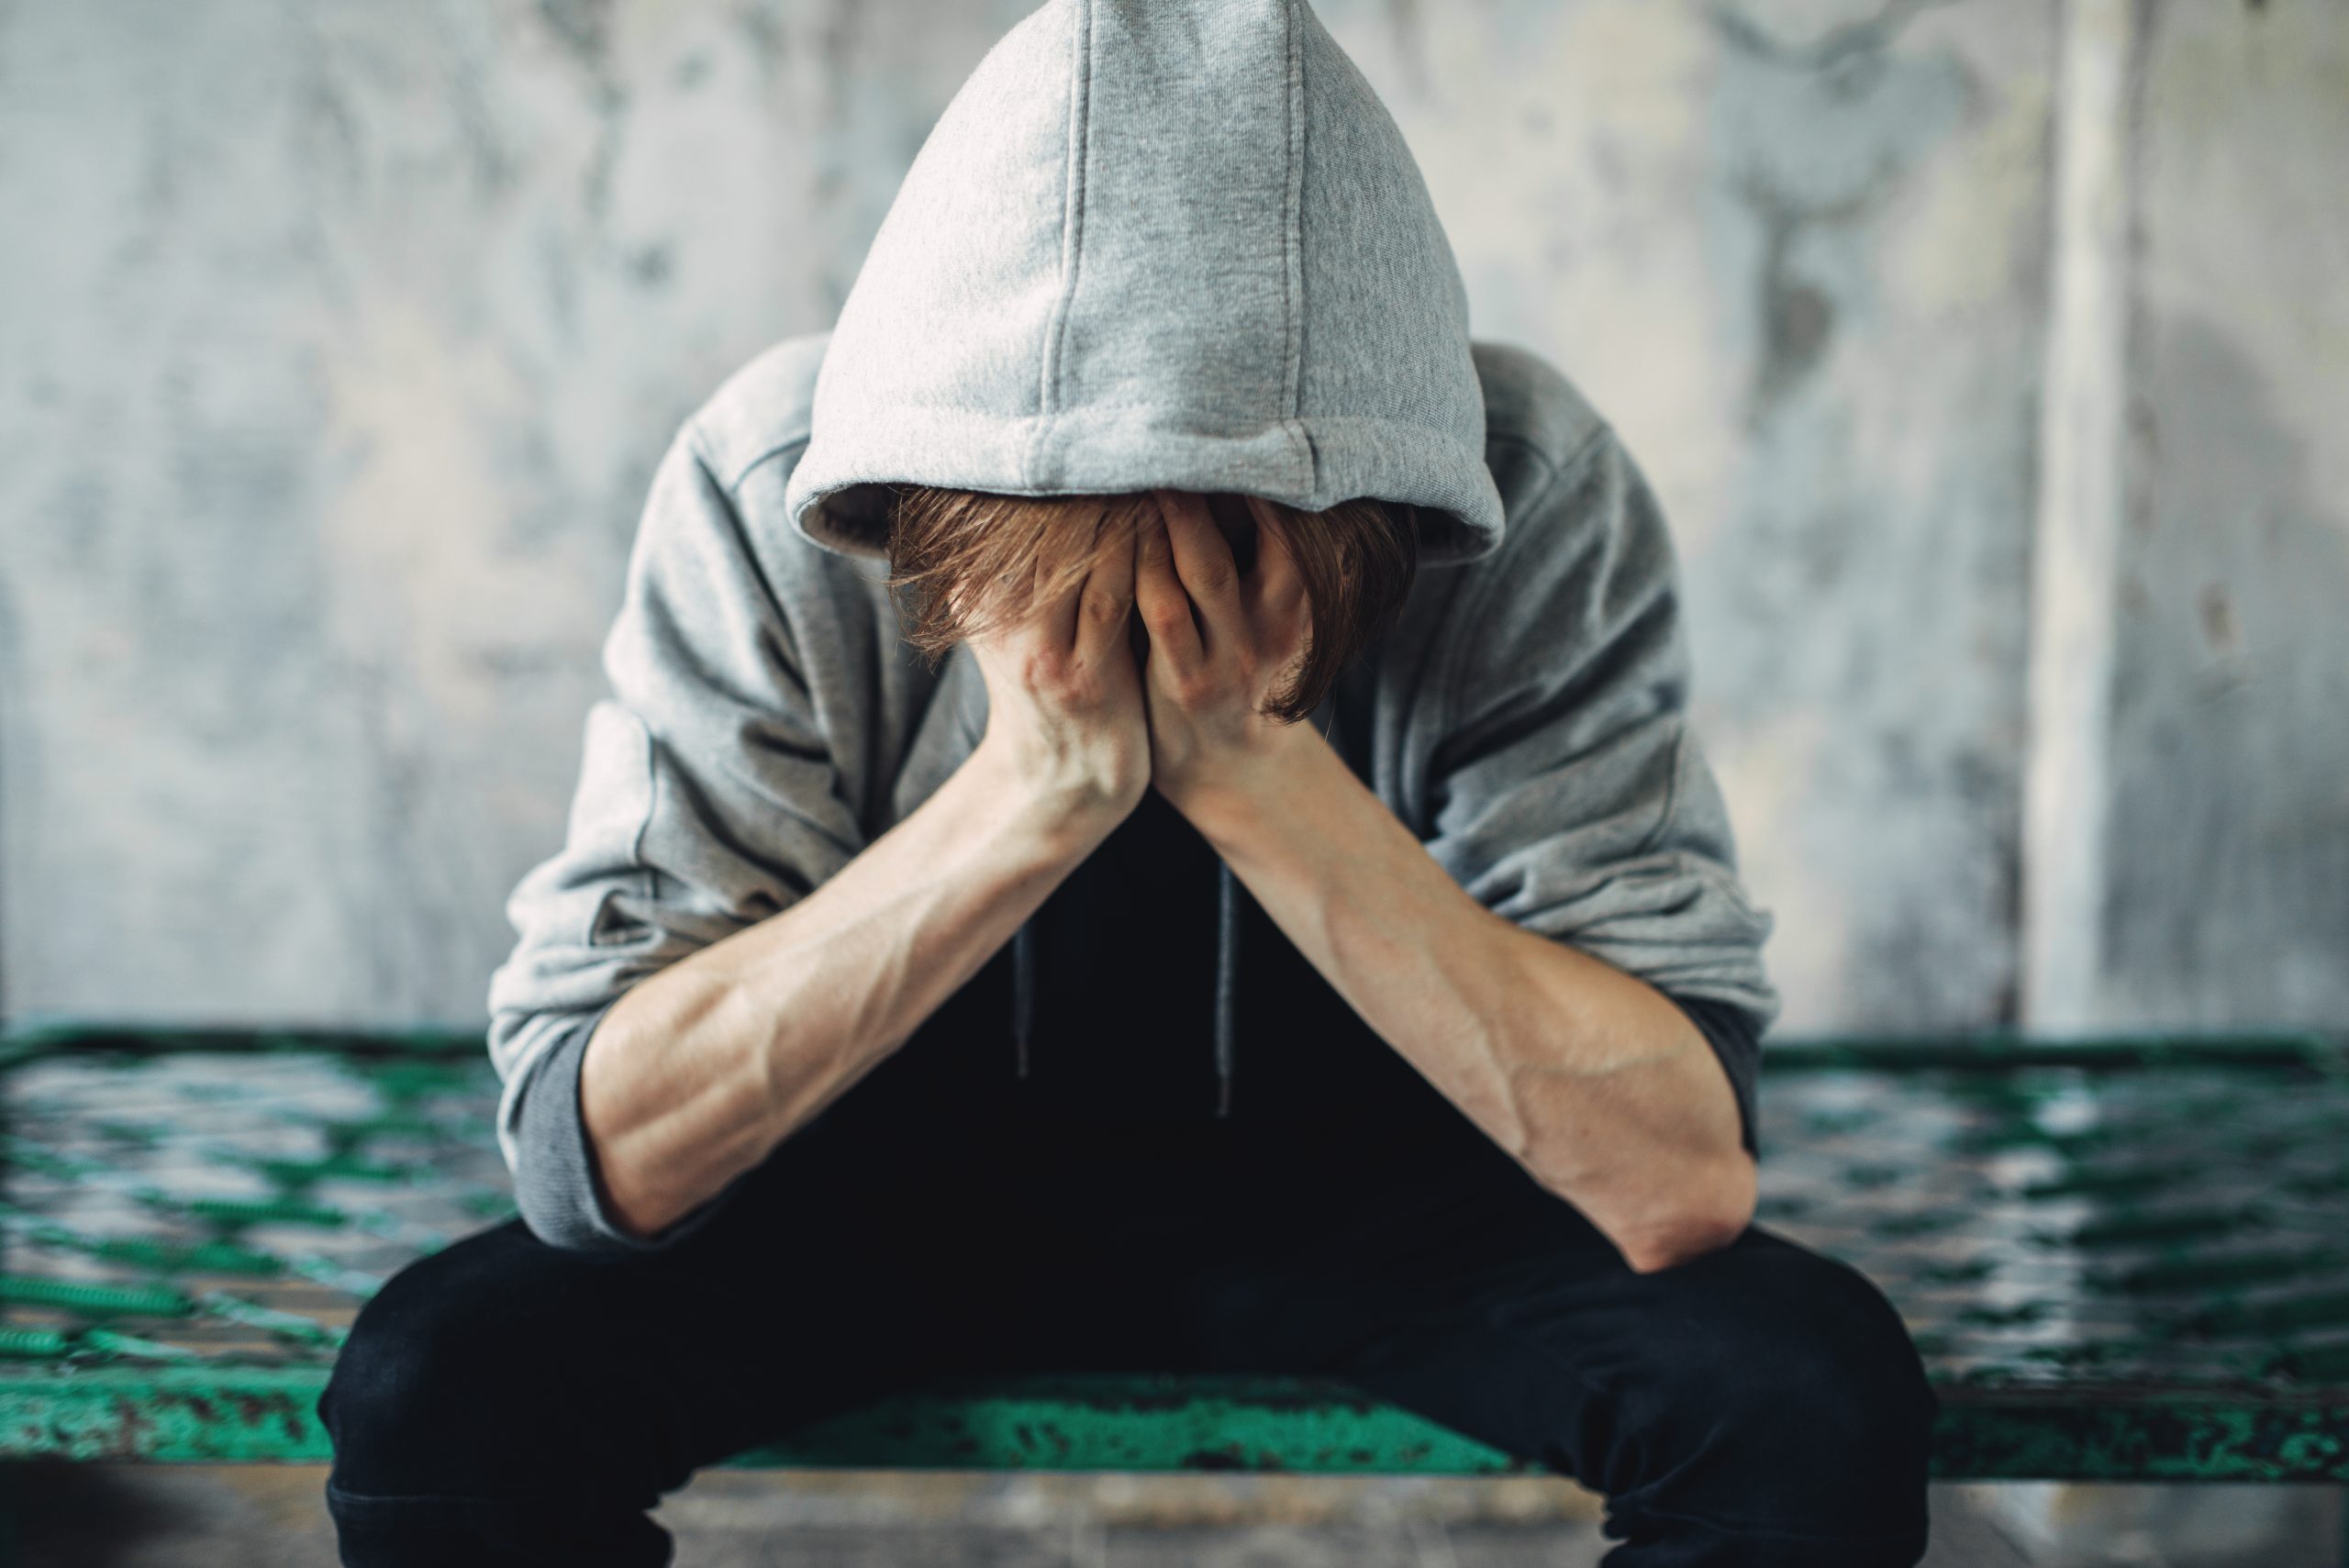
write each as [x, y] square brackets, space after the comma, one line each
[2123, 1260]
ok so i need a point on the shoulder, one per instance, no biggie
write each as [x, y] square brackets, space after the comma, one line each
[760, 413]
[1585, 552]
[1580, 517]
[745, 439]
[748, 435]
[1539, 426]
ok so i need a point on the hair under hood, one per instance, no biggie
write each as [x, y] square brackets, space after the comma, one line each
[1149, 243]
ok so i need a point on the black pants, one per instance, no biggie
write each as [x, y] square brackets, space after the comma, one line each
[504, 1402]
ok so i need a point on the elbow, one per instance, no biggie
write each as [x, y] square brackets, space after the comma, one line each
[562, 1209]
[1700, 1217]
[1655, 1224]
[550, 1226]
[1683, 1241]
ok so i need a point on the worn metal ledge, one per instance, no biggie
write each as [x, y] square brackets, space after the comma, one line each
[246, 1414]
[2124, 1259]
[243, 1413]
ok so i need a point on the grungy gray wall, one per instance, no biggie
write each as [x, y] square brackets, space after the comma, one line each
[2229, 893]
[337, 342]
[1796, 253]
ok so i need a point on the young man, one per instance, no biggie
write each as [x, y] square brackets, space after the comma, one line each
[1291, 929]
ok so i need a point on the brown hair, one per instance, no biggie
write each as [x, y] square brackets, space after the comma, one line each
[963, 562]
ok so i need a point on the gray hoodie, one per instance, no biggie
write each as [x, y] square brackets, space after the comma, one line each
[1150, 243]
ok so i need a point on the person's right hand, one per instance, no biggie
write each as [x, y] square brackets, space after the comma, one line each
[1066, 713]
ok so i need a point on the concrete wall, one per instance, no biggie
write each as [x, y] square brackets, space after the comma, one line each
[334, 358]
[337, 342]
[1796, 253]
[2231, 710]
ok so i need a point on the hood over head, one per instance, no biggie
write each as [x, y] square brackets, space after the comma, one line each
[1173, 243]
[1157, 242]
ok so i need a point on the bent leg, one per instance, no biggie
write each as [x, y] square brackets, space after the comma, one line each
[1762, 1405]
[507, 1402]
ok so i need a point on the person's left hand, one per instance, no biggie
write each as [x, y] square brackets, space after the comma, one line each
[1219, 645]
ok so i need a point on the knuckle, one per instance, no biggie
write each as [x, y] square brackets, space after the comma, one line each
[1101, 608]
[1041, 669]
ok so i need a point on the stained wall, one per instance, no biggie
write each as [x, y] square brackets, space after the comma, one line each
[337, 343]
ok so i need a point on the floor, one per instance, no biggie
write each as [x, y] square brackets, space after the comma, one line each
[197, 1516]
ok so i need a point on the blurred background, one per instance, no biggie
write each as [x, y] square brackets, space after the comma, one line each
[1991, 357]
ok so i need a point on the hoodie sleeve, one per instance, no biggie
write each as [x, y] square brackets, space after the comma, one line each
[1568, 791]
[707, 801]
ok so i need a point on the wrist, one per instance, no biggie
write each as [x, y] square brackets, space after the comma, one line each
[1069, 807]
[1246, 791]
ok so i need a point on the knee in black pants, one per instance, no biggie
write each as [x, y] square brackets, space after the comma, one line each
[1800, 1404]
[461, 1379]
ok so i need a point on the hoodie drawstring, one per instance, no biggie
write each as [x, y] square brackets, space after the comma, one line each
[1227, 969]
[1227, 973]
[1023, 988]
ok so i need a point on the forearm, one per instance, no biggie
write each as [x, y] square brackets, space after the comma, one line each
[1594, 1081]
[701, 1069]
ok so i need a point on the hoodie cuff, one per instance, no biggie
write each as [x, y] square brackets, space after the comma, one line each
[556, 1186]
[1729, 1029]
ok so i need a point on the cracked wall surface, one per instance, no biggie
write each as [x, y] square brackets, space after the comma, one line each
[337, 344]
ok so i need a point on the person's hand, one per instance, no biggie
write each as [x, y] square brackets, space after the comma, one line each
[1064, 704]
[1221, 646]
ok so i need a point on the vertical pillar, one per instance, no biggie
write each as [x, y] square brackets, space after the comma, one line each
[2081, 503]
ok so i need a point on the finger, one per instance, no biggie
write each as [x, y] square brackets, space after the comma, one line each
[1058, 621]
[1159, 598]
[1276, 587]
[1107, 599]
[1203, 561]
